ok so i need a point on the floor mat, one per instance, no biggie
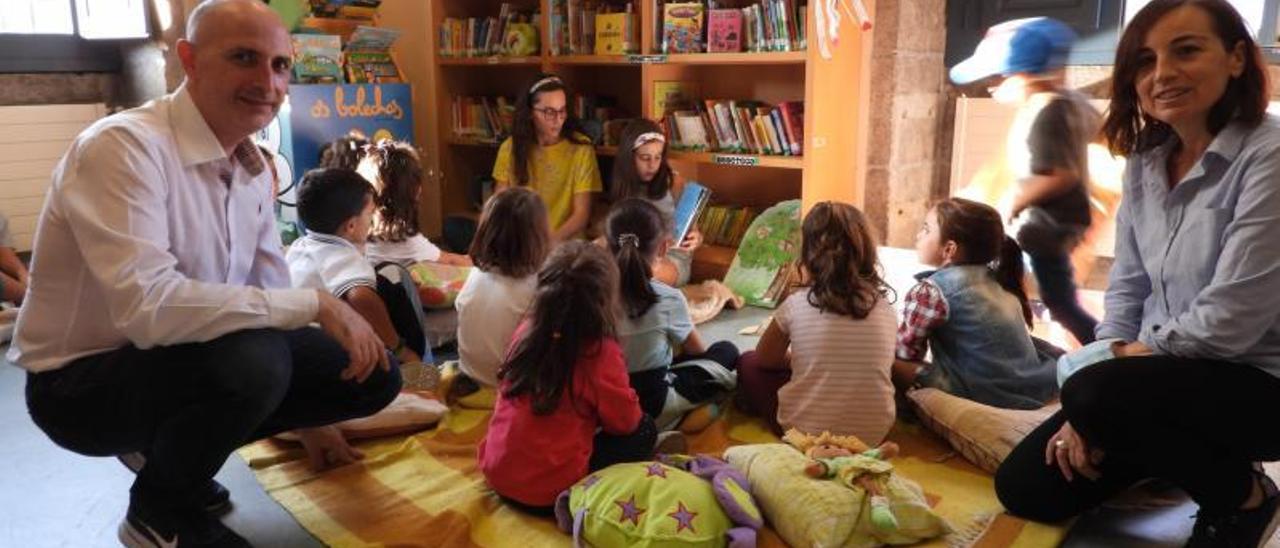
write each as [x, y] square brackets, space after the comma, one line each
[425, 490]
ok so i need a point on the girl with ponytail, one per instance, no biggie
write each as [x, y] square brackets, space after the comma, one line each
[657, 335]
[973, 313]
[564, 378]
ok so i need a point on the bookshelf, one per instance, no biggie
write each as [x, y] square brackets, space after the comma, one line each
[834, 92]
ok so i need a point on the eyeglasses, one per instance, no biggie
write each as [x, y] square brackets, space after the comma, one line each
[551, 113]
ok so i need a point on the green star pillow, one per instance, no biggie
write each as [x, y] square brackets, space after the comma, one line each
[647, 504]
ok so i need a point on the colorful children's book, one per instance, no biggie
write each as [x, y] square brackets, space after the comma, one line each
[692, 201]
[724, 31]
[770, 244]
[317, 58]
[613, 33]
[682, 27]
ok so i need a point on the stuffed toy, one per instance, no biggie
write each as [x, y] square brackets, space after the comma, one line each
[677, 501]
[855, 464]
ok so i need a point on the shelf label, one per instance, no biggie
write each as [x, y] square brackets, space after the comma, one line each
[493, 60]
[736, 160]
[646, 59]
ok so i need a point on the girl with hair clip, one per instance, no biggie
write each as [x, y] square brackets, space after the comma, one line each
[973, 313]
[548, 153]
[641, 171]
[565, 407]
[509, 247]
[672, 369]
[394, 170]
[823, 363]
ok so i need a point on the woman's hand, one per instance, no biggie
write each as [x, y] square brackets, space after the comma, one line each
[692, 240]
[327, 447]
[1125, 350]
[1071, 454]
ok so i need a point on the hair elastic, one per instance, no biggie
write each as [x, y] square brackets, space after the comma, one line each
[629, 239]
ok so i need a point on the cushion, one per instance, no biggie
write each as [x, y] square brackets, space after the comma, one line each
[438, 284]
[409, 412]
[708, 298]
[819, 512]
[982, 434]
[644, 504]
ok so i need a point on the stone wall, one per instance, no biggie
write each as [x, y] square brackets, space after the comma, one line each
[910, 144]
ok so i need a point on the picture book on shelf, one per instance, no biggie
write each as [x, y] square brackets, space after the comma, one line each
[669, 96]
[613, 32]
[317, 58]
[682, 27]
[724, 31]
[692, 201]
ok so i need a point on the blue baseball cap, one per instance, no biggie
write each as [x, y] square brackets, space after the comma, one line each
[1035, 45]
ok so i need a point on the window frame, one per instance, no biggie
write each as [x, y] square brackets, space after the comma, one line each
[63, 53]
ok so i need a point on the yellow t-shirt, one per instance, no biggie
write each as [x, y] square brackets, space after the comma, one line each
[556, 173]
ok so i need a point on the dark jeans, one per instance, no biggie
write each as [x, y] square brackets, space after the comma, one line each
[758, 385]
[1057, 284]
[188, 406]
[694, 383]
[1198, 423]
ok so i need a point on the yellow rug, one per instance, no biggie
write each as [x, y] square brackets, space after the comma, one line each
[425, 490]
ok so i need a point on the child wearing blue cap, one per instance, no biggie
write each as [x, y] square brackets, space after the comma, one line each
[1046, 151]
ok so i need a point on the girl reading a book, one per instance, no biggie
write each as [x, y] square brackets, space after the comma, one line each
[395, 172]
[671, 368]
[548, 153]
[823, 363]
[973, 313]
[641, 171]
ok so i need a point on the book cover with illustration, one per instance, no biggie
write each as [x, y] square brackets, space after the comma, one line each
[724, 31]
[317, 58]
[613, 33]
[682, 27]
[770, 244]
[693, 199]
[670, 96]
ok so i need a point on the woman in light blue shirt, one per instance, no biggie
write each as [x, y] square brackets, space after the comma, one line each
[1194, 292]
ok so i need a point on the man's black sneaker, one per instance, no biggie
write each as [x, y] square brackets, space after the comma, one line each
[215, 498]
[1242, 528]
[159, 526]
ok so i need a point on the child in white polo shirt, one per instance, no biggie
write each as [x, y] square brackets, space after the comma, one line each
[336, 206]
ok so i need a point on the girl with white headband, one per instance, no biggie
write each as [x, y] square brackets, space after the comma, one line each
[549, 154]
[641, 171]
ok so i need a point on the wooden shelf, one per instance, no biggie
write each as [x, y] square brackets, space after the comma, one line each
[715, 254]
[496, 60]
[591, 60]
[744, 58]
[738, 160]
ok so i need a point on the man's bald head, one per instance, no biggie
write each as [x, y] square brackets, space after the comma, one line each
[237, 56]
[212, 12]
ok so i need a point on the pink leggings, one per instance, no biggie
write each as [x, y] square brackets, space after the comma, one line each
[758, 386]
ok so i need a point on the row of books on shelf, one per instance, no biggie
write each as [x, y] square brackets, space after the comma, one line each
[585, 27]
[489, 119]
[750, 127]
[512, 32]
[725, 225]
[764, 25]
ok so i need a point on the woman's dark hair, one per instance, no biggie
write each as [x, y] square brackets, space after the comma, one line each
[839, 251]
[1128, 130]
[524, 135]
[626, 182]
[396, 174]
[344, 152]
[513, 237]
[328, 198]
[572, 313]
[978, 232]
[634, 231]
